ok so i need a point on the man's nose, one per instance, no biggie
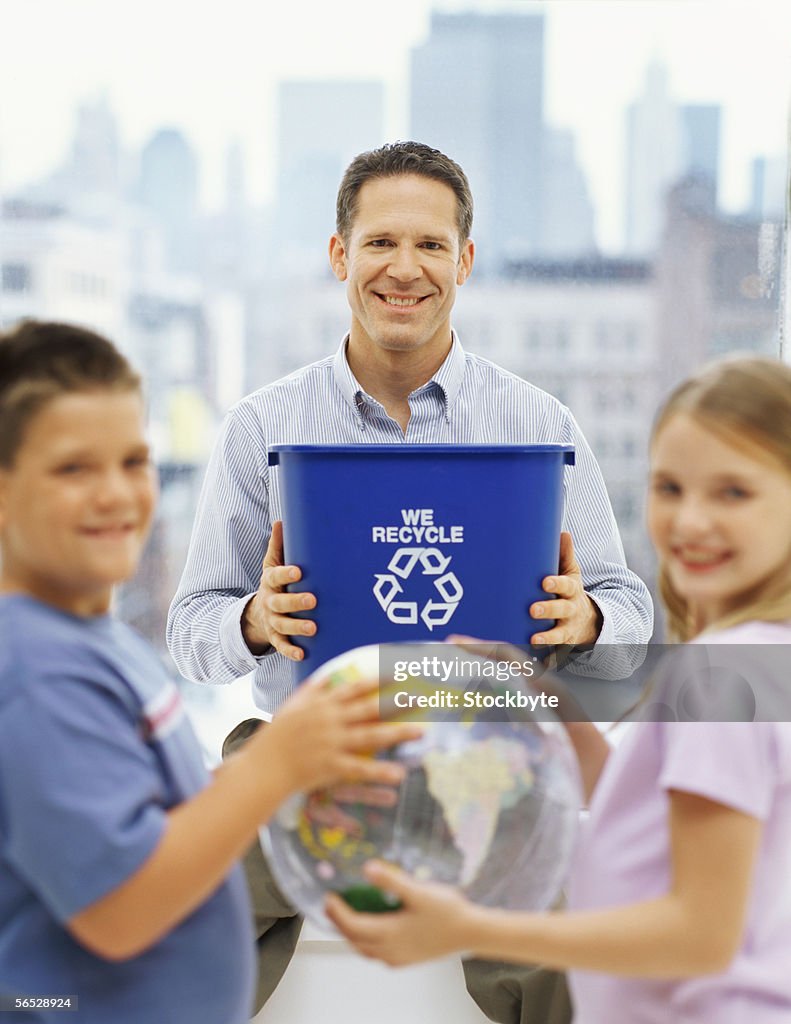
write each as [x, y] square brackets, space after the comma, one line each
[405, 264]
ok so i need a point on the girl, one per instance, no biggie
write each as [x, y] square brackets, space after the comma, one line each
[680, 908]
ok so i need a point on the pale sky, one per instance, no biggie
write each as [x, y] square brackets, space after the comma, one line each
[212, 69]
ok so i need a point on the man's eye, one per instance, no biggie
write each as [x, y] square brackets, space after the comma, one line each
[380, 243]
[431, 245]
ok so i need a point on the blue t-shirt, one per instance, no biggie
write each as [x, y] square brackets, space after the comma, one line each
[95, 748]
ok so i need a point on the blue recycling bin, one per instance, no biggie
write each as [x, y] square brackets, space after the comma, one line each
[409, 543]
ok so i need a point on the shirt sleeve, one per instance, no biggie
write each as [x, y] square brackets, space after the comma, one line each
[731, 763]
[622, 597]
[82, 797]
[223, 567]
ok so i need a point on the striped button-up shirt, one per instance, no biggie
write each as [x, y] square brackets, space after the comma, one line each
[469, 400]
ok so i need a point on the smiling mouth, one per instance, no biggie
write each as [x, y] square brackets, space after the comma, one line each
[401, 302]
[121, 530]
[702, 561]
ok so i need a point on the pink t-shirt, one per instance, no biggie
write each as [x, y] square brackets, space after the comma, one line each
[623, 855]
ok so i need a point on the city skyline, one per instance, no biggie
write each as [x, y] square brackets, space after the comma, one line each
[477, 92]
[215, 93]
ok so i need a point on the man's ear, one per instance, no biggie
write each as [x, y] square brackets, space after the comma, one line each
[338, 257]
[466, 260]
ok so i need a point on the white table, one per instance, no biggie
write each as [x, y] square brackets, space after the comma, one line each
[328, 983]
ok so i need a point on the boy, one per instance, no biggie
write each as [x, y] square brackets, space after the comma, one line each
[117, 880]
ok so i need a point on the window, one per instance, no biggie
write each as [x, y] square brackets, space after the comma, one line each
[16, 277]
[636, 215]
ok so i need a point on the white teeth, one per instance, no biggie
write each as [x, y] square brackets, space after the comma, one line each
[700, 559]
[391, 300]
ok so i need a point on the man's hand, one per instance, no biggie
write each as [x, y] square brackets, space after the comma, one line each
[266, 620]
[579, 620]
[325, 806]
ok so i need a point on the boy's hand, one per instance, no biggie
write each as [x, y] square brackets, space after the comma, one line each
[267, 618]
[432, 921]
[326, 734]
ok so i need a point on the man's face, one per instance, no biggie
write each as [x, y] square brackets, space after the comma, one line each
[402, 261]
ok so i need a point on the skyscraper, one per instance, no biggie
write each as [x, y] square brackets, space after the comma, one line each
[168, 187]
[321, 127]
[566, 209]
[769, 188]
[477, 94]
[665, 143]
[700, 144]
[95, 150]
[89, 180]
[653, 161]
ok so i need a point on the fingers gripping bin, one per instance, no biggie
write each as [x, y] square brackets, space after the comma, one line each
[412, 542]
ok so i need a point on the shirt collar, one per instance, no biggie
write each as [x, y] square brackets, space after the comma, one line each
[345, 379]
[448, 377]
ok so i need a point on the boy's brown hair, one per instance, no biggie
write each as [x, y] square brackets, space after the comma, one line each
[40, 361]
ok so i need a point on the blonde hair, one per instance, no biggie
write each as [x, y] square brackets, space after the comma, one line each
[746, 401]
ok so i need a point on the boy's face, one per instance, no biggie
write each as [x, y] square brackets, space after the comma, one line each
[76, 505]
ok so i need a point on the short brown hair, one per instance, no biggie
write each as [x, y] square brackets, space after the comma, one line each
[40, 361]
[403, 158]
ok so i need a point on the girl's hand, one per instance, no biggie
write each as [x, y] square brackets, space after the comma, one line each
[432, 922]
[542, 679]
[327, 734]
[590, 747]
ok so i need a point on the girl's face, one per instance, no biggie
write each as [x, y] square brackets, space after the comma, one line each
[719, 516]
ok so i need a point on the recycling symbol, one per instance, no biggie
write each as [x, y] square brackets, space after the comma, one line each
[432, 563]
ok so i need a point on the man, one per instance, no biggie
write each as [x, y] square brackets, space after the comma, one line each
[402, 246]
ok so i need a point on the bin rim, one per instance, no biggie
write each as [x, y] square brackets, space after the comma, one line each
[428, 449]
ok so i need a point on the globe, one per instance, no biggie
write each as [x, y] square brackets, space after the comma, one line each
[488, 804]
